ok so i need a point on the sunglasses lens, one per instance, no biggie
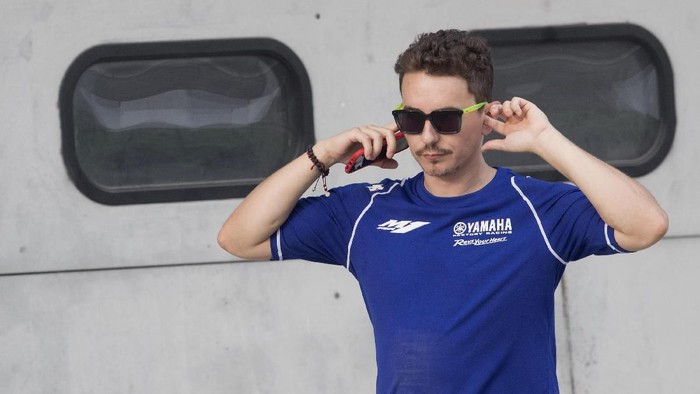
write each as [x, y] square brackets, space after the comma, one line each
[448, 122]
[410, 122]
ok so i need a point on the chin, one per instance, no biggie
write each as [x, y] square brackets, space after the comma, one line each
[439, 171]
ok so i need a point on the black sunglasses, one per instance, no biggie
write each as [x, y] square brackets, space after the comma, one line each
[446, 121]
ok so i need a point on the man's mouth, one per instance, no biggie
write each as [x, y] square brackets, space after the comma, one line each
[433, 155]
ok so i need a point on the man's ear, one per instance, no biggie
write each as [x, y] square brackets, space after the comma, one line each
[485, 130]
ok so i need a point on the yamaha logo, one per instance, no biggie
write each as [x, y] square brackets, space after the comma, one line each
[498, 226]
[482, 232]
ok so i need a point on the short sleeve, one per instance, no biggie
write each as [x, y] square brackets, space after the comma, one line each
[319, 228]
[573, 226]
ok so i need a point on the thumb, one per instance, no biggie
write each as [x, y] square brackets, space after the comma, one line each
[386, 163]
[493, 124]
[496, 144]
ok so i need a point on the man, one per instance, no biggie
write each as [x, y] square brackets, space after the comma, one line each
[457, 265]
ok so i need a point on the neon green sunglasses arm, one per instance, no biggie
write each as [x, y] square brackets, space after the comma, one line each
[474, 107]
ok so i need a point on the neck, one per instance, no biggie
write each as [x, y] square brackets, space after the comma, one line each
[460, 183]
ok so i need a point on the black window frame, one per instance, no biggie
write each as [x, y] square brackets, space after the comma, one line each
[603, 32]
[115, 52]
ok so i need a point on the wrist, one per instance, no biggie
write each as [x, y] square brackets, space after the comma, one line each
[323, 155]
[316, 163]
[321, 167]
[548, 141]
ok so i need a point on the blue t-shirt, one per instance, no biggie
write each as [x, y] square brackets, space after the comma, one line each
[459, 290]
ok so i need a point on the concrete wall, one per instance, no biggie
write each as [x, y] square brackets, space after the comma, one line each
[180, 326]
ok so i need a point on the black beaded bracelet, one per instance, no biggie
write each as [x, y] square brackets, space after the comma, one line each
[317, 163]
[321, 167]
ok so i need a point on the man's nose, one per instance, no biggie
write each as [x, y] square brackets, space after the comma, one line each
[429, 135]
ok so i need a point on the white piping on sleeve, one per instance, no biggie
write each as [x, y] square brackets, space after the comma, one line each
[357, 222]
[607, 239]
[539, 223]
[279, 243]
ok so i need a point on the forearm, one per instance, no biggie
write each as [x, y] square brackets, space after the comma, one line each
[247, 230]
[622, 202]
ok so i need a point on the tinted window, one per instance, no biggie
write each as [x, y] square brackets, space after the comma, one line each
[609, 88]
[183, 121]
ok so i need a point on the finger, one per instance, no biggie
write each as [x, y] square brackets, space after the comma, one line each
[393, 127]
[373, 139]
[376, 142]
[496, 112]
[517, 106]
[389, 132]
[493, 109]
[384, 138]
[528, 106]
[507, 109]
[379, 139]
[361, 136]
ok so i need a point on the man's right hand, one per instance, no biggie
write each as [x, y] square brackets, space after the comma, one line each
[371, 138]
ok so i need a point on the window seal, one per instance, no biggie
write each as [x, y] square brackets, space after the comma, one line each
[603, 32]
[114, 52]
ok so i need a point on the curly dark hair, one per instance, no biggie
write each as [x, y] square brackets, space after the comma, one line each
[451, 52]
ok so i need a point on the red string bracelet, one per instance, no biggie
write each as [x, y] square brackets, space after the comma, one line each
[321, 167]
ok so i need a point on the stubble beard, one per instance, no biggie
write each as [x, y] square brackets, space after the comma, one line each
[438, 170]
[443, 173]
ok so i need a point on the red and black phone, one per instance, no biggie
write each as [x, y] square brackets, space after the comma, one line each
[358, 160]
